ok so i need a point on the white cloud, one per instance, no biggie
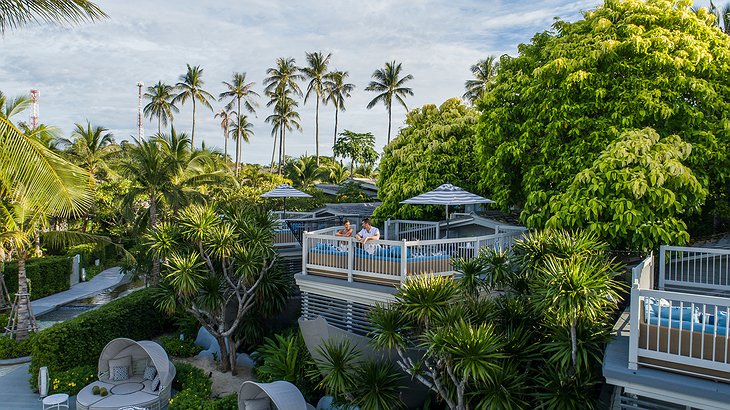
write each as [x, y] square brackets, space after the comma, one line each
[91, 71]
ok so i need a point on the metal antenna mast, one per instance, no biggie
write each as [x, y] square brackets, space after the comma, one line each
[140, 128]
[34, 95]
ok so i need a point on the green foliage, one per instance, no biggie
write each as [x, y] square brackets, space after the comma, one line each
[71, 381]
[635, 195]
[285, 357]
[435, 147]
[79, 341]
[11, 348]
[180, 348]
[571, 92]
[47, 275]
[351, 191]
[189, 377]
[359, 147]
[194, 391]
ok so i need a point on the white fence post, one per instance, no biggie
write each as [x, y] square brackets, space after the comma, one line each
[634, 316]
[662, 265]
[305, 251]
[350, 258]
[404, 261]
[75, 270]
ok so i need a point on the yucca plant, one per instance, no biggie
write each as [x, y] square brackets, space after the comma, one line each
[338, 362]
[509, 389]
[379, 385]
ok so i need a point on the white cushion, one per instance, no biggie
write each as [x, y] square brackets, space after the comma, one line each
[257, 404]
[150, 372]
[119, 373]
[139, 365]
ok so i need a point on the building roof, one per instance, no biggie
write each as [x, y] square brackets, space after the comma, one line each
[345, 209]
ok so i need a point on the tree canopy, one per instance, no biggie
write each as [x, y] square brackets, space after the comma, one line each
[572, 91]
[435, 147]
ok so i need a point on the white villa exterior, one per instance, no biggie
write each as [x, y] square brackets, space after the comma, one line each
[672, 345]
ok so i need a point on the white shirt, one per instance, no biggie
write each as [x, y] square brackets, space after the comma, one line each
[370, 248]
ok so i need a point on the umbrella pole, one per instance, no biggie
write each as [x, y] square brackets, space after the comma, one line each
[447, 221]
[284, 206]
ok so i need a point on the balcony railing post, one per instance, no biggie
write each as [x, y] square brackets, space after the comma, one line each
[662, 266]
[350, 258]
[634, 317]
[404, 261]
[305, 251]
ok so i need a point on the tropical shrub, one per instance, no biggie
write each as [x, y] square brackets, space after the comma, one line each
[435, 147]
[180, 348]
[574, 90]
[11, 348]
[71, 381]
[47, 275]
[194, 391]
[79, 341]
[491, 352]
[635, 195]
[285, 357]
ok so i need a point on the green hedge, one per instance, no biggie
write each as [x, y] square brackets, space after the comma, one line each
[11, 348]
[79, 341]
[194, 390]
[47, 275]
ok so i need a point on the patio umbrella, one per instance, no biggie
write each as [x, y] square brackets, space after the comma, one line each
[447, 194]
[285, 191]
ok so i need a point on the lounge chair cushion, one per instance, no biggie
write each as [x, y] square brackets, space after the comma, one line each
[119, 368]
[155, 384]
[150, 372]
[139, 366]
[257, 404]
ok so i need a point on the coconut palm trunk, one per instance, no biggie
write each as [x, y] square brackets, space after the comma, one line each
[238, 141]
[192, 135]
[23, 300]
[281, 147]
[390, 119]
[159, 125]
[334, 140]
[316, 130]
[273, 153]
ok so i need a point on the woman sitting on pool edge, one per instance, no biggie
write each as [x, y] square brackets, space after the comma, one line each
[368, 233]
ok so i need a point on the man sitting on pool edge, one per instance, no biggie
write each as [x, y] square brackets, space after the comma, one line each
[368, 233]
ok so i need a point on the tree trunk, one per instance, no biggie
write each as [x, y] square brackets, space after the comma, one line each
[225, 146]
[159, 125]
[155, 258]
[232, 355]
[23, 324]
[238, 138]
[390, 109]
[273, 154]
[192, 135]
[573, 344]
[281, 146]
[316, 130]
[224, 362]
[334, 141]
[37, 243]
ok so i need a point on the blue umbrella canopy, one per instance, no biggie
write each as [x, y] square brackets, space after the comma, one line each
[285, 191]
[447, 194]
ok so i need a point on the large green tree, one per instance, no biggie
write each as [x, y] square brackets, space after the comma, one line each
[243, 96]
[160, 105]
[573, 90]
[435, 147]
[190, 87]
[358, 146]
[337, 89]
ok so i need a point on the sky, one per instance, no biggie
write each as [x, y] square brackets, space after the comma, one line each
[90, 72]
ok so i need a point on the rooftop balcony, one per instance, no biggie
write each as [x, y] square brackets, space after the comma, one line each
[409, 248]
[674, 341]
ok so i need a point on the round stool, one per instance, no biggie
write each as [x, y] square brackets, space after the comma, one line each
[57, 401]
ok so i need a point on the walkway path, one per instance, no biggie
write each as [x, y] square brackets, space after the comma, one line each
[104, 280]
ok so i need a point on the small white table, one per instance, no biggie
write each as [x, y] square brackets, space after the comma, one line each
[57, 401]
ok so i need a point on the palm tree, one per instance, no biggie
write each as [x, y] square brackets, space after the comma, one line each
[10, 107]
[191, 88]
[336, 90]
[19, 13]
[722, 17]
[337, 173]
[388, 82]
[284, 119]
[316, 72]
[47, 135]
[305, 171]
[226, 119]
[91, 146]
[239, 91]
[160, 105]
[242, 130]
[281, 83]
[484, 72]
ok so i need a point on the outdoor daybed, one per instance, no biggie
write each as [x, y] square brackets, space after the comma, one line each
[146, 363]
[278, 395]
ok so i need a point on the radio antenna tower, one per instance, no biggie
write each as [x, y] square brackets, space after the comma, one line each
[140, 128]
[34, 95]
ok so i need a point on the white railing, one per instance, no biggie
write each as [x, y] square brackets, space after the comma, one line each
[682, 332]
[283, 236]
[388, 261]
[279, 215]
[399, 230]
[702, 268]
